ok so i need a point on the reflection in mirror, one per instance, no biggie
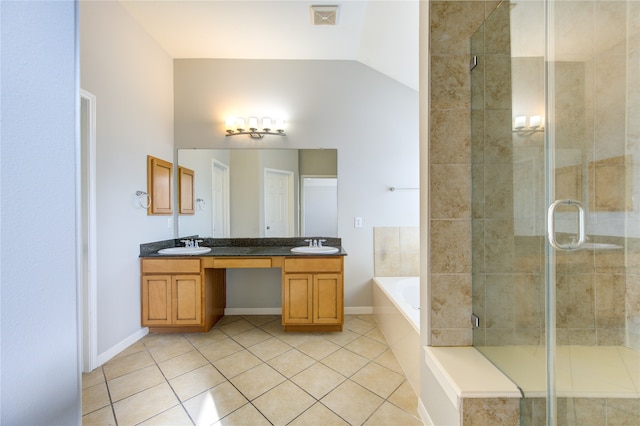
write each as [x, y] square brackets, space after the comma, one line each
[252, 193]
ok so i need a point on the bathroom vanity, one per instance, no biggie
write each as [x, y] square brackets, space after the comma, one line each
[187, 293]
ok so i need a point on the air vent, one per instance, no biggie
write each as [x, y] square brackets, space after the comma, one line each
[324, 15]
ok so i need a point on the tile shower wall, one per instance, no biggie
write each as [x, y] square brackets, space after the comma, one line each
[396, 251]
[452, 23]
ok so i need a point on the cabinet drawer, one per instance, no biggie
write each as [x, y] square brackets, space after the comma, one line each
[313, 264]
[173, 266]
[222, 263]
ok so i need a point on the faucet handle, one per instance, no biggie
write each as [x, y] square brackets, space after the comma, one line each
[310, 242]
[197, 243]
[320, 242]
[186, 242]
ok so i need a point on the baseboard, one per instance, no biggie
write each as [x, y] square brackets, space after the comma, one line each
[122, 345]
[355, 310]
[424, 415]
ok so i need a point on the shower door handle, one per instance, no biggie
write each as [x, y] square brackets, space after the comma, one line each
[551, 226]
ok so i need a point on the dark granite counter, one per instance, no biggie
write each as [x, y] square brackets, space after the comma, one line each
[239, 247]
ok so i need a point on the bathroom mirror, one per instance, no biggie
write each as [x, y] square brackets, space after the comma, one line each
[253, 193]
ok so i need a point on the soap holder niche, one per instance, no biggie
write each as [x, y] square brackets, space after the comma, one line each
[144, 199]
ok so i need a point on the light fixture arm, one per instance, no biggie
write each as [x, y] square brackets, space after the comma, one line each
[255, 134]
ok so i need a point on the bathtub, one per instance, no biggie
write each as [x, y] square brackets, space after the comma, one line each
[396, 306]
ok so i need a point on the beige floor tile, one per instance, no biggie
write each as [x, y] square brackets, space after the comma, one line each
[388, 359]
[369, 318]
[318, 380]
[352, 402]
[197, 381]
[274, 328]
[132, 349]
[318, 414]
[405, 398]
[366, 347]
[291, 362]
[296, 339]
[260, 320]
[176, 416]
[144, 405]
[220, 349]
[236, 327]
[389, 414]
[203, 339]
[251, 337]
[228, 319]
[342, 338]
[134, 382]
[101, 417]
[93, 378]
[95, 397]
[214, 404]
[237, 363]
[377, 335]
[169, 349]
[121, 366]
[283, 403]
[345, 362]
[181, 364]
[318, 349]
[378, 379]
[269, 349]
[359, 326]
[247, 415]
[256, 381]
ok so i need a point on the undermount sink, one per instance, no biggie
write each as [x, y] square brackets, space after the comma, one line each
[315, 250]
[185, 250]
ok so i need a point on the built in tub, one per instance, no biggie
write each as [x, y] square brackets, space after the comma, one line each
[396, 306]
[452, 373]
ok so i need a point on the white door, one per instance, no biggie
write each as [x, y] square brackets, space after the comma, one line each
[220, 197]
[278, 203]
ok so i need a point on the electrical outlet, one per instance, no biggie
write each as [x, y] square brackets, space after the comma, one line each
[357, 222]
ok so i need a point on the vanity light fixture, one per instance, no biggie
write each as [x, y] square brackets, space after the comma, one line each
[236, 126]
[535, 125]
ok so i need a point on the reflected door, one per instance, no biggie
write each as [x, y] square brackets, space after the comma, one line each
[220, 207]
[278, 199]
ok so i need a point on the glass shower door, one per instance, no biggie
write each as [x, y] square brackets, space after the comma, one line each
[592, 191]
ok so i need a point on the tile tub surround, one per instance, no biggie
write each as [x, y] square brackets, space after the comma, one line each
[396, 251]
[246, 370]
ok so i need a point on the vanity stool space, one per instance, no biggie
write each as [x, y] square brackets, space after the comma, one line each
[187, 293]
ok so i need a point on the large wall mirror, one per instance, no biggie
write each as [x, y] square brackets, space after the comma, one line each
[253, 193]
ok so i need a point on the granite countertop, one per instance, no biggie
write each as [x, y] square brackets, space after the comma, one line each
[242, 246]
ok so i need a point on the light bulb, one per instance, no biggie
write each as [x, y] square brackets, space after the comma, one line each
[266, 124]
[253, 124]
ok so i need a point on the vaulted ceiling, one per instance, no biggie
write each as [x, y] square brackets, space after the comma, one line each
[382, 34]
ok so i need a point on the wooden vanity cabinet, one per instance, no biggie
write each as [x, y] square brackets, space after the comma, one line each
[178, 295]
[313, 293]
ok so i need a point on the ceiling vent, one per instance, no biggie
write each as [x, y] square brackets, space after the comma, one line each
[324, 15]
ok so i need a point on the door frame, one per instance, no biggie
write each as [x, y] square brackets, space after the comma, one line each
[226, 207]
[88, 288]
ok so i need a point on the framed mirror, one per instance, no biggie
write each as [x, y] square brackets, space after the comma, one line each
[253, 193]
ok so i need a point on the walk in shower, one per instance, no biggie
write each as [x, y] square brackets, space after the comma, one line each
[556, 206]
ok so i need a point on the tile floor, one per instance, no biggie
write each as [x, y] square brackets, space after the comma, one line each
[247, 371]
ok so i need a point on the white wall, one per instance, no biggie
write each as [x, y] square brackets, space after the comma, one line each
[132, 80]
[39, 357]
[369, 118]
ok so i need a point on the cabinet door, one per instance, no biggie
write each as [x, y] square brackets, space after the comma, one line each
[187, 299]
[327, 299]
[297, 299]
[156, 300]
